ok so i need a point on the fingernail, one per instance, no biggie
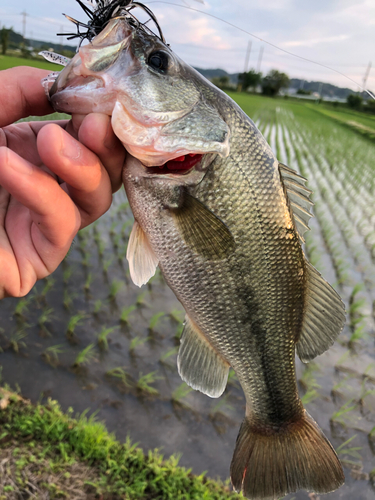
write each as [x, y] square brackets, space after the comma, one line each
[70, 148]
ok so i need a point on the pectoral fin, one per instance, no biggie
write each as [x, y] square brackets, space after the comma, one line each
[142, 259]
[202, 231]
[324, 316]
[199, 364]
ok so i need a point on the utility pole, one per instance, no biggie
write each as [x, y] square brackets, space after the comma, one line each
[366, 76]
[248, 52]
[260, 58]
[24, 14]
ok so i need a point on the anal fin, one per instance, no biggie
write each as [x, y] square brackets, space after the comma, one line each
[324, 316]
[142, 259]
[199, 364]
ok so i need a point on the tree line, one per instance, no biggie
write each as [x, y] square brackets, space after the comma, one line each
[271, 84]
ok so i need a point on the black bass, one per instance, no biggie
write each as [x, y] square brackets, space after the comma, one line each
[224, 220]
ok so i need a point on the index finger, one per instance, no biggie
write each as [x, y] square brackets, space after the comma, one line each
[21, 94]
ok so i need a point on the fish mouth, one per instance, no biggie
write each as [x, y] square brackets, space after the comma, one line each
[178, 166]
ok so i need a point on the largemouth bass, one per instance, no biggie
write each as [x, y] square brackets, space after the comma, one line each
[224, 220]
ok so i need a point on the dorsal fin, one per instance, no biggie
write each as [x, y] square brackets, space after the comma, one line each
[299, 197]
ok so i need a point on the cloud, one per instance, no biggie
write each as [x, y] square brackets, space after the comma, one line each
[314, 41]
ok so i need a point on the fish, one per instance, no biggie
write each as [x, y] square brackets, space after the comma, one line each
[224, 220]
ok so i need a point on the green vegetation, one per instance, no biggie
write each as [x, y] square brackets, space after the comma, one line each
[7, 62]
[53, 441]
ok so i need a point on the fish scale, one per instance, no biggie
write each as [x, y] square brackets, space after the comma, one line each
[227, 236]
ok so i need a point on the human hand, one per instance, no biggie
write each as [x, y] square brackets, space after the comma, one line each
[51, 185]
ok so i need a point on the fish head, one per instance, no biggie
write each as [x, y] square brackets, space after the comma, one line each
[160, 107]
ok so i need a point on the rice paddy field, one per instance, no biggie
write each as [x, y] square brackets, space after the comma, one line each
[89, 338]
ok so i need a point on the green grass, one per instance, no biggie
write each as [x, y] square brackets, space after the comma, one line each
[7, 62]
[123, 470]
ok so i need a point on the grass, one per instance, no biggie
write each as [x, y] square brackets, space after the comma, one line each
[7, 62]
[117, 470]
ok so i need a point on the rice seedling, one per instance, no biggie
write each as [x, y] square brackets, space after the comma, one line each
[51, 354]
[103, 335]
[309, 396]
[112, 230]
[45, 317]
[121, 374]
[144, 381]
[85, 356]
[141, 299]
[15, 340]
[180, 393]
[179, 330]
[106, 264]
[171, 352]
[125, 313]
[344, 450]
[221, 405]
[98, 305]
[116, 240]
[155, 320]
[22, 307]
[307, 380]
[136, 342]
[342, 413]
[177, 315]
[86, 258]
[48, 284]
[88, 282]
[232, 378]
[73, 322]
[67, 272]
[68, 298]
[358, 334]
[114, 288]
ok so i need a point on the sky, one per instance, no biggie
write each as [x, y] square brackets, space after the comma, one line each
[335, 33]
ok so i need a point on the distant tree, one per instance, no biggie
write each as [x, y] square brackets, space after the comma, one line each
[273, 82]
[303, 92]
[250, 79]
[223, 82]
[354, 101]
[370, 106]
[4, 35]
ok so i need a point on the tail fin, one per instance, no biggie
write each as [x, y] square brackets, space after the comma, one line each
[269, 464]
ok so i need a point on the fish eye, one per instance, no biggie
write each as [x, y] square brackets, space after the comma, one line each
[158, 60]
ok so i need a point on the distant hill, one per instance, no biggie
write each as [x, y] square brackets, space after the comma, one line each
[15, 40]
[327, 89]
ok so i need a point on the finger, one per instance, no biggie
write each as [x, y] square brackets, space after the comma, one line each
[55, 217]
[87, 180]
[21, 94]
[96, 133]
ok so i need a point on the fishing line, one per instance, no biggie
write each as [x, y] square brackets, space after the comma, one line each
[268, 43]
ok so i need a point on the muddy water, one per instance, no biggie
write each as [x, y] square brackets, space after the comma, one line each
[94, 282]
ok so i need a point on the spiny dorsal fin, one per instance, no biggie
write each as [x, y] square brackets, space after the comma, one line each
[324, 316]
[142, 259]
[199, 364]
[202, 231]
[299, 197]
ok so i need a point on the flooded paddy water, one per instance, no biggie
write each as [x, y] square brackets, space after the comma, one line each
[89, 338]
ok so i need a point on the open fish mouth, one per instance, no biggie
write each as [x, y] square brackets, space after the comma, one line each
[178, 166]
